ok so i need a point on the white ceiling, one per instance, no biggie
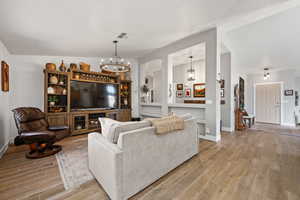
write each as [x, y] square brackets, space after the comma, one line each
[272, 42]
[87, 27]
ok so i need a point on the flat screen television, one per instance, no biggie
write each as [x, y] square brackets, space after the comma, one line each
[85, 95]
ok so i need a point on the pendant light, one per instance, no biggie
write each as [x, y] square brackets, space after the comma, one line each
[191, 71]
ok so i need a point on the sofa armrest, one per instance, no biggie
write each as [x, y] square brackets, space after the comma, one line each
[105, 162]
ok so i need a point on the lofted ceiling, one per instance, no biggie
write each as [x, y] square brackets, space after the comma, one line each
[272, 42]
[87, 27]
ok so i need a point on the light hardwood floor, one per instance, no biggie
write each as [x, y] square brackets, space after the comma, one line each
[263, 163]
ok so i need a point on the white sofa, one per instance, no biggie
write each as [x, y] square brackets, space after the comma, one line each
[139, 158]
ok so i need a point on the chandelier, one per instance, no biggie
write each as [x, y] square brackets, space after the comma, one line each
[115, 64]
[191, 71]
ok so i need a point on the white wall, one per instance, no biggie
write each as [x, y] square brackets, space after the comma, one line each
[4, 107]
[153, 71]
[27, 81]
[226, 75]
[236, 72]
[288, 77]
[180, 75]
[212, 68]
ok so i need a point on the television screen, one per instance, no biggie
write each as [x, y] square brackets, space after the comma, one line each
[94, 95]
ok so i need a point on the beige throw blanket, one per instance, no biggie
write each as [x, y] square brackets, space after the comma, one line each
[167, 124]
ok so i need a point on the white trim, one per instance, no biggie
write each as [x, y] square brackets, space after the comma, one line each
[281, 98]
[3, 150]
[150, 114]
[151, 104]
[210, 138]
[288, 124]
[227, 129]
[182, 105]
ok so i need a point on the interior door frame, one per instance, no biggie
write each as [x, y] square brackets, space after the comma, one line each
[281, 98]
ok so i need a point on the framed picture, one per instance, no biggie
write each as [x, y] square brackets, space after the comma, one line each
[179, 94]
[188, 92]
[222, 93]
[179, 86]
[288, 92]
[4, 76]
[199, 90]
[222, 84]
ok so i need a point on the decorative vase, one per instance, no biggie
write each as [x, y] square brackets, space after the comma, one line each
[73, 66]
[53, 79]
[62, 66]
[84, 66]
[64, 92]
[51, 90]
[78, 127]
[122, 76]
[50, 66]
[77, 76]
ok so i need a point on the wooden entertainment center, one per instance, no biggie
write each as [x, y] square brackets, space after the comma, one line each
[57, 100]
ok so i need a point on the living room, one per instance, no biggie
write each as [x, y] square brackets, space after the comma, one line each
[110, 100]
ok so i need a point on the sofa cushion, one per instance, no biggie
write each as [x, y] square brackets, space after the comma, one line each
[111, 129]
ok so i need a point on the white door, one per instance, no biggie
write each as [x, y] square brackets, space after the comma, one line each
[268, 103]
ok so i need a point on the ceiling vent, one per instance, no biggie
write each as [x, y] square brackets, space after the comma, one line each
[122, 36]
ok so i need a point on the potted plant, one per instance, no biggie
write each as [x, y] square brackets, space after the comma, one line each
[52, 100]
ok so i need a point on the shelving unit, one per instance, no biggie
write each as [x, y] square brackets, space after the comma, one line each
[56, 101]
[97, 77]
[125, 100]
[82, 121]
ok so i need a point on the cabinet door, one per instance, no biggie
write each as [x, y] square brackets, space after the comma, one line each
[57, 119]
[79, 123]
[124, 115]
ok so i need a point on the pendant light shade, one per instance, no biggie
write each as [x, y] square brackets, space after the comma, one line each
[191, 71]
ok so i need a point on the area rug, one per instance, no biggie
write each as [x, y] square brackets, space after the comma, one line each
[73, 164]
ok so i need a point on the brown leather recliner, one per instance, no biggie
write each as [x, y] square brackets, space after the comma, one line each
[35, 131]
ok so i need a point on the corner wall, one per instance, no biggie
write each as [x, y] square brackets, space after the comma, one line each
[4, 106]
[226, 75]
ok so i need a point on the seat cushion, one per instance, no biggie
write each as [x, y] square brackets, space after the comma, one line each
[111, 129]
[40, 136]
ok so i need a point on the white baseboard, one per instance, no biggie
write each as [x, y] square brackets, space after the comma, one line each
[227, 129]
[210, 138]
[288, 124]
[3, 150]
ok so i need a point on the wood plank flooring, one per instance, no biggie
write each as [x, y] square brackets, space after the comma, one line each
[262, 163]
